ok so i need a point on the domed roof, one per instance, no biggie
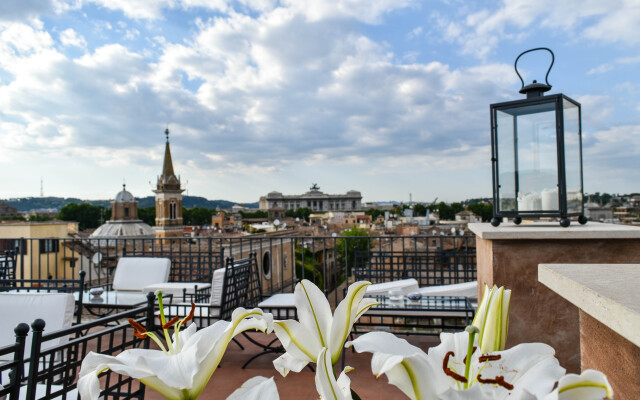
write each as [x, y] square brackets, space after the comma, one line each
[124, 196]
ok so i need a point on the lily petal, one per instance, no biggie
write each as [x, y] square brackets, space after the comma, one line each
[256, 388]
[288, 362]
[405, 365]
[590, 385]
[345, 316]
[297, 340]
[314, 311]
[326, 383]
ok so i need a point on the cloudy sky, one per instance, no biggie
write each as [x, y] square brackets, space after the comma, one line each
[388, 97]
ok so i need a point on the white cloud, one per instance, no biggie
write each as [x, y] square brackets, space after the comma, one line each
[69, 37]
[479, 32]
[20, 10]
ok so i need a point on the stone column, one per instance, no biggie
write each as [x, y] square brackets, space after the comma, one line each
[608, 298]
[509, 256]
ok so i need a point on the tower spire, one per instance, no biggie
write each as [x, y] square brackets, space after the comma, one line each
[167, 166]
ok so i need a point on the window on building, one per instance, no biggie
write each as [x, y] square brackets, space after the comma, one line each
[49, 245]
[173, 210]
[126, 211]
[353, 205]
[17, 245]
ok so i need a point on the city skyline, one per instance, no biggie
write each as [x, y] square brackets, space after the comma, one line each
[385, 97]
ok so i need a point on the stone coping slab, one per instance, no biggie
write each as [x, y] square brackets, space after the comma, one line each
[553, 230]
[607, 292]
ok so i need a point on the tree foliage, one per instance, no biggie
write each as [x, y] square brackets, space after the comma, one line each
[197, 216]
[147, 215]
[254, 214]
[350, 240]
[484, 210]
[87, 215]
[303, 213]
[374, 213]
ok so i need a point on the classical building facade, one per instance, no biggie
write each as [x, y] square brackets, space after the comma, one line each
[168, 199]
[313, 199]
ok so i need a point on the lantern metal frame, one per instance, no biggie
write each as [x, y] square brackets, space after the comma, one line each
[535, 97]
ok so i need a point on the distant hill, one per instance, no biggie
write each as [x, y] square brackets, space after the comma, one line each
[36, 203]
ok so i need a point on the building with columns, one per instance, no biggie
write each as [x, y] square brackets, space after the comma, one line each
[314, 199]
[168, 199]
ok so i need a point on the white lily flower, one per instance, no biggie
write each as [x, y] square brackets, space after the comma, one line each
[327, 385]
[317, 328]
[492, 319]
[256, 388]
[527, 371]
[183, 368]
[589, 385]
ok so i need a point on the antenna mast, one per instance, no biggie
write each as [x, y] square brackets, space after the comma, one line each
[41, 187]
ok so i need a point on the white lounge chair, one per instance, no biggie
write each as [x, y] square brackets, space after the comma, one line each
[466, 289]
[382, 289]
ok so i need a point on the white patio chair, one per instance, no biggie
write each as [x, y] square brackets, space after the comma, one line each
[134, 274]
[56, 309]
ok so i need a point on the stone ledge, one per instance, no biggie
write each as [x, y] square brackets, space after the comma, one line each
[552, 230]
[607, 292]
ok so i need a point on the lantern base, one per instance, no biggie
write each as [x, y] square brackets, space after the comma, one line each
[496, 221]
[582, 220]
[565, 222]
[517, 220]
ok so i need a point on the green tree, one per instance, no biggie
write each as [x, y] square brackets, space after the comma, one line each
[197, 216]
[148, 215]
[254, 214]
[303, 213]
[484, 210]
[40, 217]
[305, 266]
[350, 240]
[419, 210]
[375, 213]
[87, 215]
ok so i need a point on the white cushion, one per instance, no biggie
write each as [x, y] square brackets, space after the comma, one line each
[56, 309]
[135, 273]
[41, 391]
[176, 288]
[467, 289]
[382, 289]
[216, 286]
[279, 300]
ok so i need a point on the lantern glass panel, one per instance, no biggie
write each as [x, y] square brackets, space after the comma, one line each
[506, 161]
[528, 149]
[572, 152]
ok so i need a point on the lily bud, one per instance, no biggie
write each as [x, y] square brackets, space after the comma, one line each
[492, 319]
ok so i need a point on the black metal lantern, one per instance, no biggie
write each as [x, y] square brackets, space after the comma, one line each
[536, 146]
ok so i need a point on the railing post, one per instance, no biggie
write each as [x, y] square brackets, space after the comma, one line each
[21, 331]
[36, 342]
[151, 307]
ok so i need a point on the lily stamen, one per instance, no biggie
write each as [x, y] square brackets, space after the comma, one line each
[498, 380]
[448, 371]
[487, 357]
[170, 323]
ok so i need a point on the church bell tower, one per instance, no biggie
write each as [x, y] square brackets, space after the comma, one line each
[168, 199]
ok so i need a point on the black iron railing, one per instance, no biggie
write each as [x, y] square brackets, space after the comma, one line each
[331, 262]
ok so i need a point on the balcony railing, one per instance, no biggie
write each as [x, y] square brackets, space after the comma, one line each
[330, 262]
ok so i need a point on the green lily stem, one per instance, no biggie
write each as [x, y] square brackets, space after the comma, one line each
[473, 331]
[163, 321]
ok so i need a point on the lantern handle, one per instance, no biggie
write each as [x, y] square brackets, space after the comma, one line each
[546, 78]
